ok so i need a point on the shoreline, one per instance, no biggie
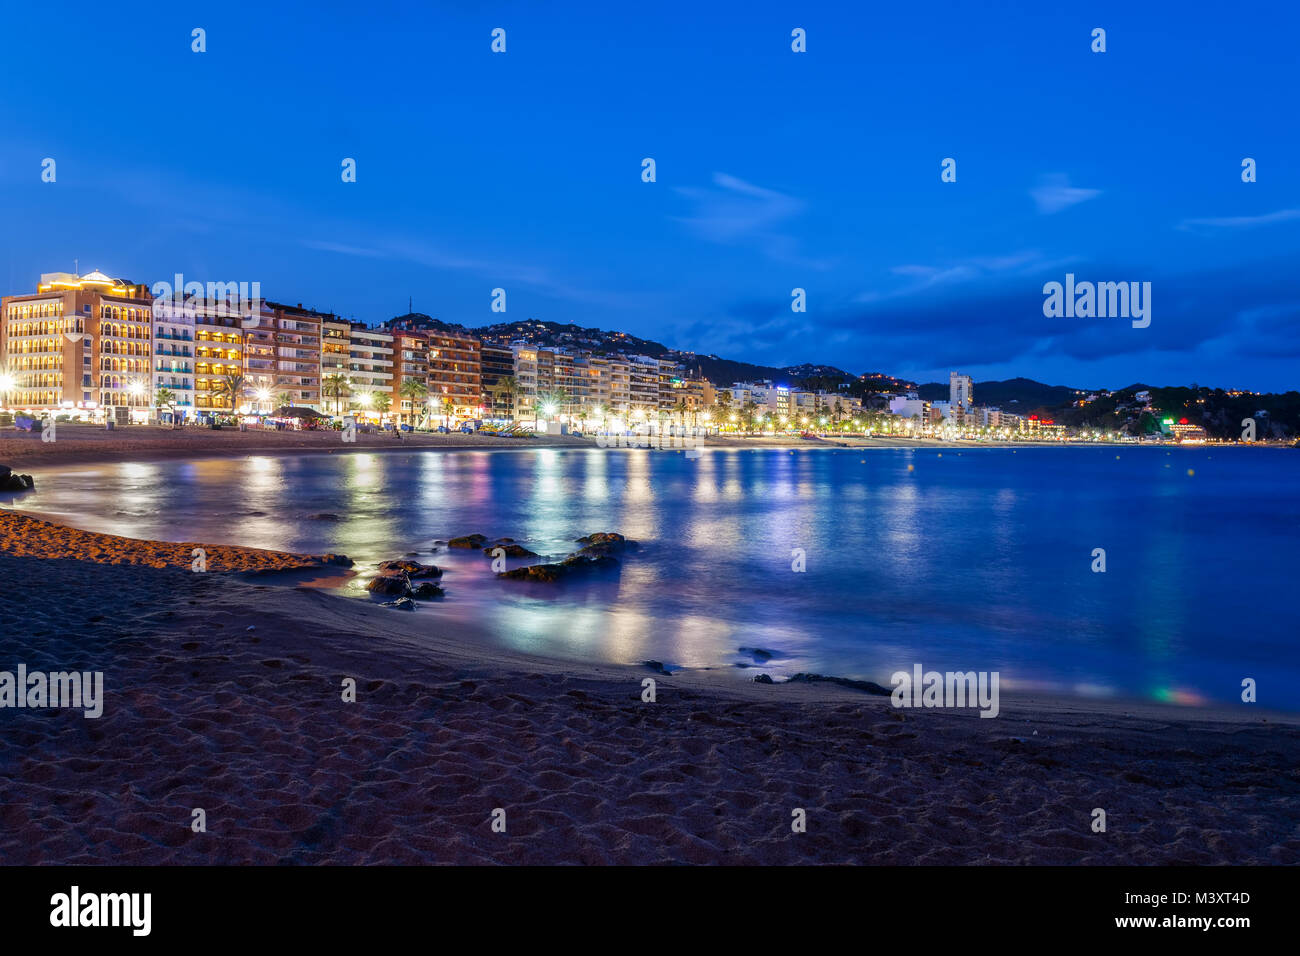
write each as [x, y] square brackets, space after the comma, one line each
[78, 445]
[225, 695]
[283, 573]
[231, 695]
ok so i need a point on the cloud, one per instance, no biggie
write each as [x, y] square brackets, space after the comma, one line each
[924, 277]
[1242, 222]
[738, 212]
[1248, 310]
[1055, 193]
[432, 256]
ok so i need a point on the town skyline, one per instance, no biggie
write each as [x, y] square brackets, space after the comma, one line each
[775, 170]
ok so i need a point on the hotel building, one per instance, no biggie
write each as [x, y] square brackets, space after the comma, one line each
[79, 344]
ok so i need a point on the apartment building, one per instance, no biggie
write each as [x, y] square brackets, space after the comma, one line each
[173, 371]
[370, 365]
[335, 357]
[643, 388]
[218, 356]
[496, 362]
[411, 364]
[297, 334]
[80, 344]
[455, 374]
[961, 390]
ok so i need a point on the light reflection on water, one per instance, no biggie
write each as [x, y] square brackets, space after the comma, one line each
[974, 561]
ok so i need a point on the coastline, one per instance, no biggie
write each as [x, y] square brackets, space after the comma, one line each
[208, 675]
[87, 445]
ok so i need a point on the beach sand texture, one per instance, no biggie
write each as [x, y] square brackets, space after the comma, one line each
[225, 695]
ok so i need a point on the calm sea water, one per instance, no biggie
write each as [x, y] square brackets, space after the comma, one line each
[978, 559]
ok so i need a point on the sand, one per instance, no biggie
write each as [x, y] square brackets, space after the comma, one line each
[86, 444]
[225, 695]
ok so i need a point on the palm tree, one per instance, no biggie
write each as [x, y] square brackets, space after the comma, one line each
[166, 398]
[381, 402]
[509, 389]
[681, 408]
[231, 387]
[336, 386]
[448, 409]
[283, 399]
[414, 391]
[750, 413]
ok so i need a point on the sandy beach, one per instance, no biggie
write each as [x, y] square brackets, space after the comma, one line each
[226, 695]
[86, 444]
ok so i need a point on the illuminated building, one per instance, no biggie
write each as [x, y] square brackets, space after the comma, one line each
[80, 345]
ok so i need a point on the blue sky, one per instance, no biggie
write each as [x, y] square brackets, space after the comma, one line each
[775, 170]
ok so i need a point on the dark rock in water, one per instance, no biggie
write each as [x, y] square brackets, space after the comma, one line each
[12, 482]
[426, 591]
[439, 541]
[756, 652]
[5, 471]
[511, 550]
[611, 538]
[605, 543]
[468, 541]
[864, 685]
[413, 568]
[389, 584]
[342, 560]
[401, 604]
[572, 566]
[504, 541]
[763, 679]
[326, 516]
[658, 668]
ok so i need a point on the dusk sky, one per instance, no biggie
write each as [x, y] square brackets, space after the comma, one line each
[775, 170]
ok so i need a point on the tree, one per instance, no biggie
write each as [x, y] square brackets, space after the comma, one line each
[750, 414]
[414, 391]
[166, 398]
[448, 409]
[231, 387]
[681, 408]
[382, 403]
[283, 399]
[506, 390]
[336, 386]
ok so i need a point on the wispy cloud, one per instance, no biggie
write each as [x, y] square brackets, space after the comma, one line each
[1055, 193]
[925, 278]
[738, 212]
[1242, 222]
[430, 255]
